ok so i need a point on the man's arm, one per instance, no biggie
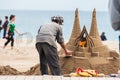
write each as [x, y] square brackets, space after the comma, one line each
[7, 31]
[65, 50]
[114, 10]
[60, 40]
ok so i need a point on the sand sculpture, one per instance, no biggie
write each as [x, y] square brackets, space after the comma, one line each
[88, 50]
[88, 53]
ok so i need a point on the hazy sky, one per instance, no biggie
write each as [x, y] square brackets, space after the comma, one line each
[101, 5]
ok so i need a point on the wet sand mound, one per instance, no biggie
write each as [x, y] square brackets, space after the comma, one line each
[35, 70]
[69, 65]
[7, 70]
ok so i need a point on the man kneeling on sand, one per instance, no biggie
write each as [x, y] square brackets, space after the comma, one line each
[46, 39]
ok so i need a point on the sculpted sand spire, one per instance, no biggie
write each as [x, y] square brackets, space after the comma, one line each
[76, 27]
[94, 33]
[94, 29]
[75, 33]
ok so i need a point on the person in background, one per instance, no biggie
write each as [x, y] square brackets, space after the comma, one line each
[114, 10]
[0, 21]
[4, 26]
[119, 43]
[0, 24]
[10, 31]
[46, 39]
[103, 36]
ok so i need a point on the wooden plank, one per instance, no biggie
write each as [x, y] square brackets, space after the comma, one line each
[20, 77]
[83, 78]
[101, 78]
[92, 78]
[47, 77]
[29, 77]
[38, 78]
[3, 77]
[110, 78]
[11, 78]
[74, 78]
[117, 78]
[56, 77]
[65, 78]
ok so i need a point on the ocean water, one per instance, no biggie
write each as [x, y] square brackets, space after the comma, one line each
[30, 21]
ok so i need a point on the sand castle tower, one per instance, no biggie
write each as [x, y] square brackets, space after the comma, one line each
[98, 48]
[83, 44]
[94, 30]
[76, 27]
[75, 33]
[88, 50]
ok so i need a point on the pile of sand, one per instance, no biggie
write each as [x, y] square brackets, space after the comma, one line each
[69, 67]
[7, 70]
[21, 61]
[35, 70]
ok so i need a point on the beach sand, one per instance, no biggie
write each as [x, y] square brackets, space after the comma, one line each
[22, 57]
[25, 56]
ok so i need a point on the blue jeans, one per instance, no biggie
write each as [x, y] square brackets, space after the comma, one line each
[4, 33]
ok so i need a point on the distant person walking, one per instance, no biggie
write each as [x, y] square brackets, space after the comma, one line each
[103, 36]
[10, 31]
[46, 39]
[0, 27]
[119, 43]
[0, 24]
[114, 10]
[4, 26]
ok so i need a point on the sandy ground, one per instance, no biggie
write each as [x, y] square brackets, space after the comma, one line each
[112, 45]
[24, 55]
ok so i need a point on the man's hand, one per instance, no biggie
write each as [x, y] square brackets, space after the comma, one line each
[68, 53]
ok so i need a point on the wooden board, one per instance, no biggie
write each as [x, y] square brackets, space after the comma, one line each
[54, 78]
